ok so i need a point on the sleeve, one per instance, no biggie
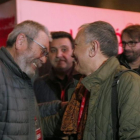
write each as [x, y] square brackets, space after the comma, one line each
[51, 125]
[40, 90]
[49, 108]
[3, 103]
[1, 114]
[129, 106]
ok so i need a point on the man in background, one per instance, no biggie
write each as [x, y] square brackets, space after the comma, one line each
[26, 51]
[53, 87]
[130, 57]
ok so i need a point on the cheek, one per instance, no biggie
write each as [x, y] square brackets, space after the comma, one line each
[30, 57]
[35, 54]
[51, 57]
[67, 55]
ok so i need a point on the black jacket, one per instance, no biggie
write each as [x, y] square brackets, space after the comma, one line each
[123, 62]
[48, 87]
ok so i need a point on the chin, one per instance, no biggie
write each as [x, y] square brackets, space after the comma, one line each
[61, 69]
[31, 72]
[78, 70]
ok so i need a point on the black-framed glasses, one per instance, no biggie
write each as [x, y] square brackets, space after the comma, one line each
[129, 43]
[44, 51]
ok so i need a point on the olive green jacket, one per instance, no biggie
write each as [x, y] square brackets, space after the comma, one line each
[99, 122]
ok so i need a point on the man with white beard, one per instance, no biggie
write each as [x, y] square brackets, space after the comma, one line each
[26, 51]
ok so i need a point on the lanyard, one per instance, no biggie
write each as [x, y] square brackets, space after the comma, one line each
[63, 95]
[82, 107]
[38, 130]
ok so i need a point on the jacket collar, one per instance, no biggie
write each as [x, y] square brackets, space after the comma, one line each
[8, 60]
[101, 74]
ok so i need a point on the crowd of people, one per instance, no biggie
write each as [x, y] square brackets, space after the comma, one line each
[74, 100]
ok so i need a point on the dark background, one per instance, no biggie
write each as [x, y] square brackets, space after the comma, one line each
[126, 5]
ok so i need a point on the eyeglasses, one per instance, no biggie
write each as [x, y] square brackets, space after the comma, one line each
[129, 43]
[44, 51]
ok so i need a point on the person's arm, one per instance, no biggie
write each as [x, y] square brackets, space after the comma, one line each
[51, 124]
[49, 108]
[129, 106]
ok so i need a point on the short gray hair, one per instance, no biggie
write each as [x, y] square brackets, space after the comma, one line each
[105, 34]
[28, 27]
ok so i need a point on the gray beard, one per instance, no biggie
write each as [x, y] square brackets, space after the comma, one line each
[24, 65]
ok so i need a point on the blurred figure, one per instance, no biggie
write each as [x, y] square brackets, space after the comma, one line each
[88, 114]
[130, 57]
[26, 51]
[55, 85]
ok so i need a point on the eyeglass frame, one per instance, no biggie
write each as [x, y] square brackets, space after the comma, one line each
[133, 43]
[45, 53]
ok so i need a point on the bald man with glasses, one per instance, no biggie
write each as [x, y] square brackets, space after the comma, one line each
[130, 57]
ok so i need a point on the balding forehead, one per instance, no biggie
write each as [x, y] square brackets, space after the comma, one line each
[80, 37]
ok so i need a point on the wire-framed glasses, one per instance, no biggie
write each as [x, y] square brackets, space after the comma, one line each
[44, 51]
[129, 43]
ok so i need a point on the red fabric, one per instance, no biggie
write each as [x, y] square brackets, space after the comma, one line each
[6, 26]
[62, 95]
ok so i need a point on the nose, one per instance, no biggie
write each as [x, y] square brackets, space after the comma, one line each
[43, 59]
[126, 47]
[59, 53]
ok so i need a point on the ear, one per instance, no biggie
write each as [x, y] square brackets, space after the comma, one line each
[21, 41]
[93, 48]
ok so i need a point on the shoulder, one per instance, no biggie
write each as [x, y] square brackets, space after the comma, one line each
[129, 83]
[41, 83]
[130, 77]
[42, 79]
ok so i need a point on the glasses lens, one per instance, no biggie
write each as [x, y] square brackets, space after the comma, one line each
[44, 52]
[131, 43]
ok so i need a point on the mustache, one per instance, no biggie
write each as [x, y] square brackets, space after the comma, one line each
[59, 59]
[127, 51]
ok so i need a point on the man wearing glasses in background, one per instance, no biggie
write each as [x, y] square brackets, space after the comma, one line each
[26, 51]
[130, 57]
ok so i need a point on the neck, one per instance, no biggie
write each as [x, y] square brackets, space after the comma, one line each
[10, 50]
[61, 74]
[135, 64]
[97, 64]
